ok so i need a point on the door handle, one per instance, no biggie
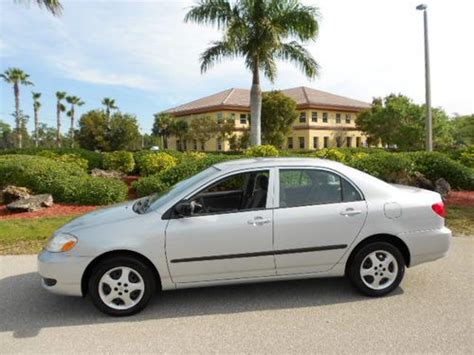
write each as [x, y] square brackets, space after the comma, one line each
[350, 212]
[258, 221]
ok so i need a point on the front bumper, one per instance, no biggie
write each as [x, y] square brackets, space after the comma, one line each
[427, 246]
[61, 273]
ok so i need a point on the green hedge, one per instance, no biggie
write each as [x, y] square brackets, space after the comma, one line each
[149, 185]
[119, 161]
[435, 165]
[155, 163]
[94, 159]
[63, 180]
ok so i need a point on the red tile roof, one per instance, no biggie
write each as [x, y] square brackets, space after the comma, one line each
[239, 100]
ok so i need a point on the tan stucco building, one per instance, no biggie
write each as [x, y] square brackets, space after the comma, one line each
[325, 120]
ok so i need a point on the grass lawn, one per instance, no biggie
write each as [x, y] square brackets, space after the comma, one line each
[27, 236]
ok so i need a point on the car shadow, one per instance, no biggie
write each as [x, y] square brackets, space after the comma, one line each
[26, 308]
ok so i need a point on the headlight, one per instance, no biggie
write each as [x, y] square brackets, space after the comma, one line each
[61, 243]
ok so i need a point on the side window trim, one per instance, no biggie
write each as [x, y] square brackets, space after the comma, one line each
[270, 203]
[337, 173]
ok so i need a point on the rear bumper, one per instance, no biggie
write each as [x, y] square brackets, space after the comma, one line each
[62, 273]
[427, 246]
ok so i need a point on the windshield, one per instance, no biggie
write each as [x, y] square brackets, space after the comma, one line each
[158, 200]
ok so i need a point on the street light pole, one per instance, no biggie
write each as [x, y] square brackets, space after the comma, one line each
[429, 123]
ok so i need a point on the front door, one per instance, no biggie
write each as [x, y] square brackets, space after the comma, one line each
[229, 234]
[320, 214]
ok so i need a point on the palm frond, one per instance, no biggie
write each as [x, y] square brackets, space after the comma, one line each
[214, 12]
[297, 54]
[215, 53]
[53, 6]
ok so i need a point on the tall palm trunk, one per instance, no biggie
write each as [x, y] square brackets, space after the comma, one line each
[36, 127]
[16, 90]
[72, 126]
[255, 108]
[58, 125]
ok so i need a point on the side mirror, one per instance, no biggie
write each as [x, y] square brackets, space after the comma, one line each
[184, 209]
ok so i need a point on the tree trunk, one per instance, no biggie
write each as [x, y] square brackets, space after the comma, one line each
[16, 90]
[72, 126]
[58, 125]
[36, 127]
[255, 109]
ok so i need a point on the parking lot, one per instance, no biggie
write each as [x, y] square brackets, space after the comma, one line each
[432, 311]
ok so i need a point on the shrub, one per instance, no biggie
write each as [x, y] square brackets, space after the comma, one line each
[391, 167]
[63, 180]
[333, 154]
[119, 161]
[262, 151]
[149, 185]
[71, 158]
[435, 165]
[94, 159]
[156, 163]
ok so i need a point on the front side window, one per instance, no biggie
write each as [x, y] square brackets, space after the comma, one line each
[305, 187]
[239, 192]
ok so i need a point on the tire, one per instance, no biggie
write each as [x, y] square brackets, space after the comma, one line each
[377, 269]
[121, 286]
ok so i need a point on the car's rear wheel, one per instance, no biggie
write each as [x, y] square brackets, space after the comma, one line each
[377, 269]
[121, 286]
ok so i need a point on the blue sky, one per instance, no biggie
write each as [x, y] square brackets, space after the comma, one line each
[142, 54]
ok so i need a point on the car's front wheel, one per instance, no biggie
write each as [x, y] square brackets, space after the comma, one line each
[121, 286]
[377, 269]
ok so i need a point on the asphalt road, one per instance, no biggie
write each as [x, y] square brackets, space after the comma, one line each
[432, 311]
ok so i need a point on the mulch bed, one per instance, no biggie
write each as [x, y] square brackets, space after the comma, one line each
[461, 198]
[56, 210]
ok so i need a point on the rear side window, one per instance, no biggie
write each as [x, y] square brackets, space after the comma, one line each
[305, 187]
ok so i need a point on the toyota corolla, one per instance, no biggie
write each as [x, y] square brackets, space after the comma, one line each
[248, 221]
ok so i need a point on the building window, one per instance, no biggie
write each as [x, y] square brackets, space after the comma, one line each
[219, 144]
[232, 115]
[290, 142]
[178, 144]
[315, 142]
[185, 144]
[302, 117]
[243, 118]
[357, 141]
[326, 142]
[348, 118]
[349, 141]
[195, 144]
[314, 116]
[338, 118]
[220, 116]
[338, 142]
[325, 117]
[301, 141]
[203, 146]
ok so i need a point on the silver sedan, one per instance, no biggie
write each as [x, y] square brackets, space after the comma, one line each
[248, 221]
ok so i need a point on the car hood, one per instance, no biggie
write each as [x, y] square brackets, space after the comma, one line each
[118, 212]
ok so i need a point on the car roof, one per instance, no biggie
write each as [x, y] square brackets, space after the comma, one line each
[239, 164]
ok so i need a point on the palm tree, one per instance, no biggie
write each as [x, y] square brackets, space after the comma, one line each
[109, 105]
[36, 107]
[257, 30]
[162, 127]
[60, 95]
[73, 101]
[17, 77]
[53, 6]
[180, 129]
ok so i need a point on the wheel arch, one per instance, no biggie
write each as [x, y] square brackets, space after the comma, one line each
[387, 238]
[114, 253]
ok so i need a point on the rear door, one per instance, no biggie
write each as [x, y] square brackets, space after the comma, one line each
[320, 213]
[230, 234]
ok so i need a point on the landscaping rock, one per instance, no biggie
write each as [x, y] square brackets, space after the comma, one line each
[12, 193]
[422, 181]
[443, 188]
[108, 174]
[31, 204]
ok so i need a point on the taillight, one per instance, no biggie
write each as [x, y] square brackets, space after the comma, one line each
[439, 209]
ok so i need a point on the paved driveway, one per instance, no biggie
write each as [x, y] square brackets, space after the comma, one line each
[432, 311]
